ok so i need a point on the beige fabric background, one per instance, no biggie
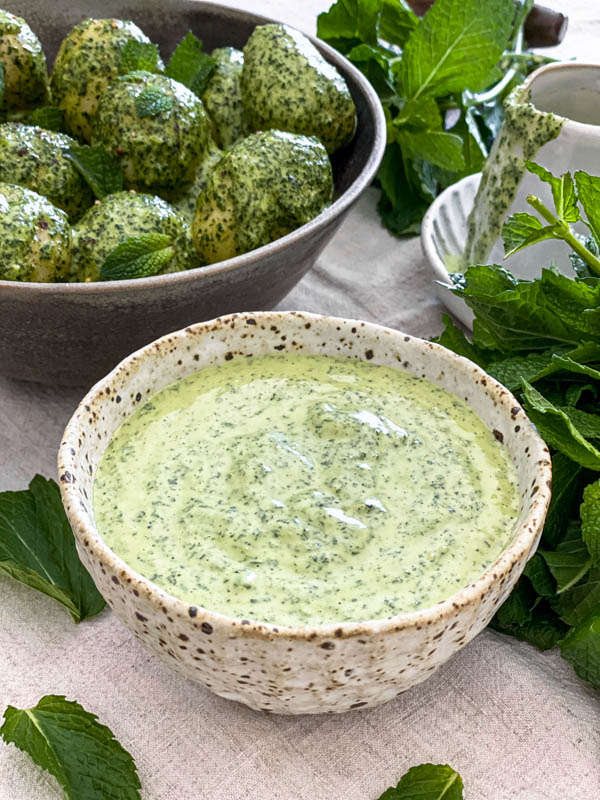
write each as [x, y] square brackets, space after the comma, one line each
[516, 723]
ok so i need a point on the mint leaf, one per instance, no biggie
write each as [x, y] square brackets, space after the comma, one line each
[427, 782]
[534, 366]
[588, 425]
[513, 370]
[374, 63]
[69, 743]
[440, 148]
[139, 56]
[455, 47]
[588, 187]
[349, 23]
[423, 113]
[528, 617]
[454, 339]
[563, 192]
[137, 257]
[37, 548]
[566, 478]
[569, 563]
[51, 118]
[522, 230]
[397, 22]
[544, 630]
[401, 206]
[190, 65]
[98, 169]
[529, 315]
[518, 607]
[536, 570]
[152, 101]
[581, 648]
[575, 392]
[590, 520]
[577, 603]
[558, 430]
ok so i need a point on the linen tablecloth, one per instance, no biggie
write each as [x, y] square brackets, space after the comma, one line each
[516, 723]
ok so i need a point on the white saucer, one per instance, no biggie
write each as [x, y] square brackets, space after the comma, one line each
[443, 236]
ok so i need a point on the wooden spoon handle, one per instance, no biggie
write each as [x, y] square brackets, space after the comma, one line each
[543, 26]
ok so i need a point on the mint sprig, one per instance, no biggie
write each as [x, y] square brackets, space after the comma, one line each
[522, 230]
[427, 782]
[138, 257]
[137, 56]
[98, 169]
[69, 743]
[428, 74]
[190, 65]
[37, 548]
[541, 339]
[152, 101]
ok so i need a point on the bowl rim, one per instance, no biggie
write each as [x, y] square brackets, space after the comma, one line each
[321, 221]
[522, 546]
[430, 251]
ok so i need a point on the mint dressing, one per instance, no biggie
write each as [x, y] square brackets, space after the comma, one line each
[306, 489]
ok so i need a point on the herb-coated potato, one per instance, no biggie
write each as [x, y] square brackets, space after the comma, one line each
[264, 187]
[186, 206]
[157, 128]
[35, 158]
[35, 237]
[88, 60]
[119, 216]
[222, 98]
[288, 85]
[23, 64]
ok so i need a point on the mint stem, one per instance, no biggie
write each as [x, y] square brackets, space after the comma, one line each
[564, 232]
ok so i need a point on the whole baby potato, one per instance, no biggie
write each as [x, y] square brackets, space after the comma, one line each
[23, 65]
[36, 158]
[35, 237]
[186, 205]
[267, 185]
[287, 84]
[222, 98]
[120, 216]
[88, 60]
[157, 129]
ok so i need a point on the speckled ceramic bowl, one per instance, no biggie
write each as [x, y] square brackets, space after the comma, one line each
[303, 669]
[74, 333]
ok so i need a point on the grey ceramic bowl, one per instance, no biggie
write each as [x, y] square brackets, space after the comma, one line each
[301, 669]
[74, 333]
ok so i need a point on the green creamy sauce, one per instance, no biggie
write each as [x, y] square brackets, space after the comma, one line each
[524, 131]
[306, 489]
